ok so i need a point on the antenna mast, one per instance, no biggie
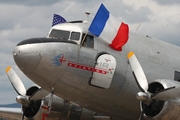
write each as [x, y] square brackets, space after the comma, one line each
[87, 16]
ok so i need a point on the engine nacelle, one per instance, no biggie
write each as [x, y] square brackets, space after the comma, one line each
[60, 109]
[159, 109]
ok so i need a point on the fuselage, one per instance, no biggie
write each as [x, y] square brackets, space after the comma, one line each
[67, 65]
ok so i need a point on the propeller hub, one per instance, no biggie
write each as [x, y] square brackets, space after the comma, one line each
[24, 100]
[142, 96]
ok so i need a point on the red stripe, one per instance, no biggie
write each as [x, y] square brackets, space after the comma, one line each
[44, 115]
[121, 37]
[86, 68]
[45, 107]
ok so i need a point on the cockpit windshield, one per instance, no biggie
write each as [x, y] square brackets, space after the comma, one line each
[66, 35]
[60, 34]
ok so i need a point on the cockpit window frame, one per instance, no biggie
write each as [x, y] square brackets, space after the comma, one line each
[76, 38]
[84, 40]
[60, 37]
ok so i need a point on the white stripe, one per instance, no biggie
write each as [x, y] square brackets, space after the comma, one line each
[110, 30]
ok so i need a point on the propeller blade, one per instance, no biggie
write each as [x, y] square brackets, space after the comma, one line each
[141, 116]
[166, 94]
[15, 81]
[39, 94]
[22, 116]
[24, 112]
[138, 72]
[141, 80]
[142, 112]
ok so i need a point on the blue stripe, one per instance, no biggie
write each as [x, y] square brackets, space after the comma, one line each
[99, 21]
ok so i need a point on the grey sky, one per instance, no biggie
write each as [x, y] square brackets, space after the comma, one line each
[27, 19]
[167, 2]
[30, 2]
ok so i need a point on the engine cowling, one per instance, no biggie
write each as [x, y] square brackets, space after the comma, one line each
[160, 109]
[60, 109]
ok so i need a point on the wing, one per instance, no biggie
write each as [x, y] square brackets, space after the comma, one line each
[10, 113]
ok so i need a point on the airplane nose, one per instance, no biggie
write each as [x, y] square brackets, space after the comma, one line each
[27, 56]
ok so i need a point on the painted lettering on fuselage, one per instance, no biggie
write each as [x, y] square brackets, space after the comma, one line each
[88, 68]
[103, 65]
[60, 59]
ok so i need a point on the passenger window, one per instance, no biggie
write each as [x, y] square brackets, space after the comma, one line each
[75, 36]
[88, 41]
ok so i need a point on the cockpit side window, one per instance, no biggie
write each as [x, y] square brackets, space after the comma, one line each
[177, 76]
[88, 41]
[75, 36]
[60, 34]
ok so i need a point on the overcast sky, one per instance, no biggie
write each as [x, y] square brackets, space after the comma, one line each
[22, 19]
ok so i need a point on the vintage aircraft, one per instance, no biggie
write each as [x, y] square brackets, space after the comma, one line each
[83, 78]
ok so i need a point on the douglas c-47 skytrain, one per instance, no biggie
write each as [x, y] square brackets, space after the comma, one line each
[96, 71]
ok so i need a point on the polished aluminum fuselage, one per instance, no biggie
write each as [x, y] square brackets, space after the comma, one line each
[158, 59]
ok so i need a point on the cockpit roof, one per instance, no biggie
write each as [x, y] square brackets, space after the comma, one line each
[78, 27]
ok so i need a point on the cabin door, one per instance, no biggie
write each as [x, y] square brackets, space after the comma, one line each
[103, 72]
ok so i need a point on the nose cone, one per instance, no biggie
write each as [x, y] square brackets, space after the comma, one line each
[27, 56]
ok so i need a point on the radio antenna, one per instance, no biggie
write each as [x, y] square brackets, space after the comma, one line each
[137, 27]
